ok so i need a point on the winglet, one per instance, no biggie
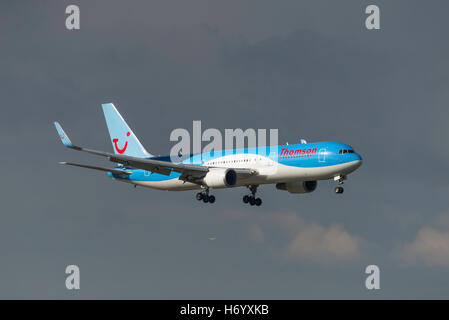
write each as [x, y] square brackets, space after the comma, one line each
[63, 136]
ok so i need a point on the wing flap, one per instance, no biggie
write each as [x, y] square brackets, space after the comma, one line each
[162, 167]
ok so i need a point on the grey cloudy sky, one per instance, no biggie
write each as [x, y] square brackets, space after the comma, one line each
[309, 68]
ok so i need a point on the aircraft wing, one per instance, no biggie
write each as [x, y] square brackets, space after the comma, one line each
[189, 172]
[162, 167]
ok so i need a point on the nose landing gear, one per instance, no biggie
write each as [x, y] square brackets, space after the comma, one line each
[251, 199]
[340, 179]
[339, 189]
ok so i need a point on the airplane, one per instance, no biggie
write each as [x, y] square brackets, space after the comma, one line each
[295, 168]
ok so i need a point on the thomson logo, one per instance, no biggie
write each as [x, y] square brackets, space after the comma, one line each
[285, 152]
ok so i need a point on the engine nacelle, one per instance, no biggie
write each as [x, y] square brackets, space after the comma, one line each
[220, 178]
[298, 187]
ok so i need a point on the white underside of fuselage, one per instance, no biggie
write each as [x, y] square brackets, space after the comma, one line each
[269, 172]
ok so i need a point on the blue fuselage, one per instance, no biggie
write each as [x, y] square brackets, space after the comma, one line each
[311, 161]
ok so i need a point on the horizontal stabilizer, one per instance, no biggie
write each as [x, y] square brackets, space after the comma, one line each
[114, 171]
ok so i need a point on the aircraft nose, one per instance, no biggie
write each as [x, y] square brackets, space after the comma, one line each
[358, 160]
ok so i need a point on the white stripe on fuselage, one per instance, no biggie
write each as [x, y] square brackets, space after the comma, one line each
[269, 172]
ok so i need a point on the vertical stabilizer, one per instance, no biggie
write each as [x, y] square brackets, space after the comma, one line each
[123, 139]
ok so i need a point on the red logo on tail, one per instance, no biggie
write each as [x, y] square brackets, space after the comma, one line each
[120, 151]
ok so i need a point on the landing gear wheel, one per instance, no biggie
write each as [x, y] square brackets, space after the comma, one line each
[211, 199]
[199, 196]
[252, 201]
[339, 189]
[205, 198]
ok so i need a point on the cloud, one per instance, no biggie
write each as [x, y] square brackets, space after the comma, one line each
[430, 247]
[323, 245]
[255, 234]
[289, 222]
[305, 241]
[288, 236]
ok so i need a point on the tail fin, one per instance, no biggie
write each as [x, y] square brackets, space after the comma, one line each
[124, 141]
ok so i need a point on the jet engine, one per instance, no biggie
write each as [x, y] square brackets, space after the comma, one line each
[220, 178]
[297, 187]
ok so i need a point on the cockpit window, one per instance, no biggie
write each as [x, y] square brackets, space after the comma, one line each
[345, 151]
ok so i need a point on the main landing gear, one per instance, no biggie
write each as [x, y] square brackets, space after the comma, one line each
[205, 196]
[251, 199]
[340, 180]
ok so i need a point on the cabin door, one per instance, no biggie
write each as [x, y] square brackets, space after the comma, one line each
[322, 155]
